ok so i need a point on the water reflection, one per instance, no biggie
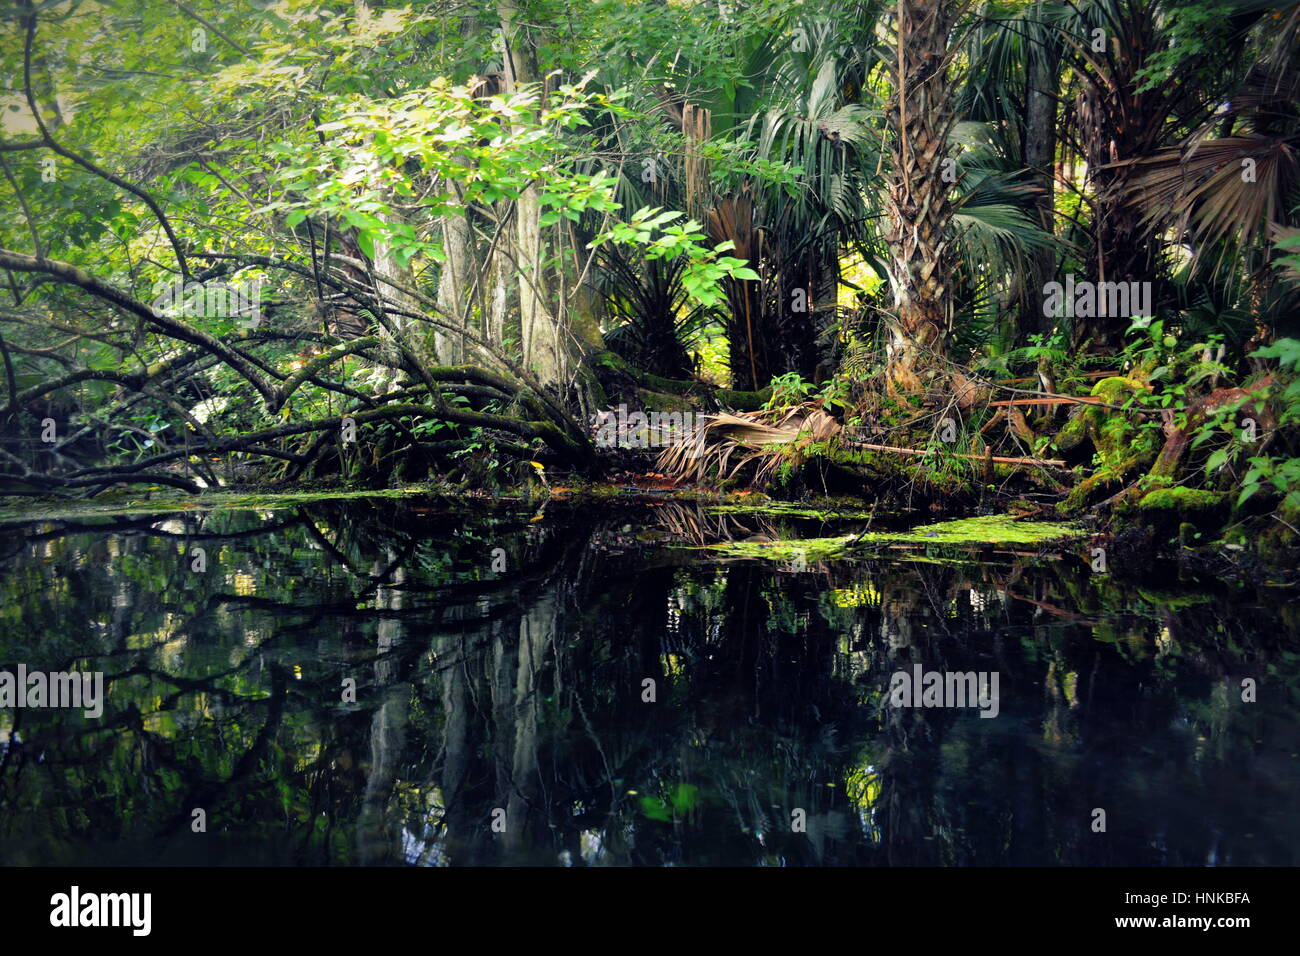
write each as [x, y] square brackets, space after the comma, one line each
[517, 697]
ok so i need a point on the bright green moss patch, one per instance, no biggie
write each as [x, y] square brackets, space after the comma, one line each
[1100, 480]
[1181, 500]
[994, 529]
[1117, 389]
[997, 529]
[793, 551]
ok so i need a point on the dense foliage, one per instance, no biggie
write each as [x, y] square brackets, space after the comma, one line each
[388, 243]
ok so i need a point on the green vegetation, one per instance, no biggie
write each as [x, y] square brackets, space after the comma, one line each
[369, 246]
[1181, 500]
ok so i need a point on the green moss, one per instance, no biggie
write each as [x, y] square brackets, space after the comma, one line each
[1151, 482]
[662, 401]
[1105, 477]
[1114, 440]
[796, 550]
[1076, 428]
[997, 529]
[603, 491]
[834, 452]
[590, 383]
[1117, 389]
[1083, 493]
[743, 401]
[940, 474]
[1112, 432]
[1181, 500]
[994, 529]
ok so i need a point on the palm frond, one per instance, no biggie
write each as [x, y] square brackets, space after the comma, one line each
[1217, 190]
[747, 437]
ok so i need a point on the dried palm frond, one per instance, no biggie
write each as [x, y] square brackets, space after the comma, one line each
[747, 436]
[1217, 189]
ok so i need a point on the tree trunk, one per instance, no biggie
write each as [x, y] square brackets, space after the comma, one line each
[920, 214]
[454, 287]
[1040, 159]
[1118, 123]
[385, 266]
[541, 335]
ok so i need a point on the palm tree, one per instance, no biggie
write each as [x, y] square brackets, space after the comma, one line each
[1227, 188]
[1014, 91]
[920, 213]
[819, 129]
[1127, 110]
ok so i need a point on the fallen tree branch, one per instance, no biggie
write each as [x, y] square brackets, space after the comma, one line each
[1050, 400]
[997, 459]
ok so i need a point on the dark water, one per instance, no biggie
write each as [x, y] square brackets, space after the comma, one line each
[515, 697]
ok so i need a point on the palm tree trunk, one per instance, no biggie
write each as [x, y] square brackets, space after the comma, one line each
[920, 214]
[1041, 92]
[1117, 123]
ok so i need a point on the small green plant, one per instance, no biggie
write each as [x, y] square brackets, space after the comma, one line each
[705, 268]
[1177, 369]
[789, 389]
[835, 394]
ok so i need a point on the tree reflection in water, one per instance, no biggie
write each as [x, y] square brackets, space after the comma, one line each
[522, 690]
